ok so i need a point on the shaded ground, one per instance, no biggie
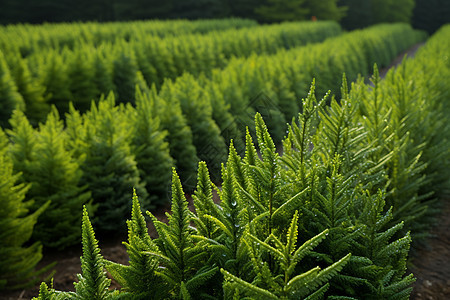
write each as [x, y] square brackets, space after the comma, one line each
[430, 265]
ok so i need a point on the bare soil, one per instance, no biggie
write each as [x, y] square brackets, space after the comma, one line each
[431, 263]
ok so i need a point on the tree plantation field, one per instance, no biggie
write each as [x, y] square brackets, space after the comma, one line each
[305, 179]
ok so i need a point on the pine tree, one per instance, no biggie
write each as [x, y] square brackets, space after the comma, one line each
[23, 146]
[55, 175]
[18, 258]
[10, 99]
[178, 253]
[56, 81]
[81, 79]
[268, 285]
[92, 283]
[197, 109]
[36, 107]
[180, 138]
[150, 148]
[388, 256]
[124, 75]
[109, 168]
[141, 277]
[103, 77]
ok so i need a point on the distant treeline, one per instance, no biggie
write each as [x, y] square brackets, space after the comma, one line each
[423, 14]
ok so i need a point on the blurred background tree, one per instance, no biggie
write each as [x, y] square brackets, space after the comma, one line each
[431, 14]
[423, 14]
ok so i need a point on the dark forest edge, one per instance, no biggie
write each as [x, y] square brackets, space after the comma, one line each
[428, 15]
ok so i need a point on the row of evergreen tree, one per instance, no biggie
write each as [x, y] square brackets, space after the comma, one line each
[58, 76]
[96, 157]
[424, 14]
[331, 217]
[36, 38]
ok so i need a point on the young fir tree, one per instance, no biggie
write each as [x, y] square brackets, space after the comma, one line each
[103, 78]
[124, 75]
[109, 168]
[221, 114]
[141, 277]
[387, 256]
[150, 148]
[92, 282]
[54, 76]
[339, 149]
[10, 99]
[36, 107]
[18, 258]
[81, 78]
[197, 109]
[24, 141]
[180, 138]
[267, 284]
[180, 256]
[391, 131]
[147, 70]
[55, 175]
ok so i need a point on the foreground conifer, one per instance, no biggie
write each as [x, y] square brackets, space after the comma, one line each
[92, 282]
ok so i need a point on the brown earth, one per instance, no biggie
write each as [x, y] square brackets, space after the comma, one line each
[430, 264]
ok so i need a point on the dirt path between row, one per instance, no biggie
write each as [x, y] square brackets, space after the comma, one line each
[431, 264]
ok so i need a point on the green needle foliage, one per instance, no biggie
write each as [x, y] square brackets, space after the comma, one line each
[92, 282]
[178, 253]
[150, 148]
[387, 256]
[18, 258]
[141, 276]
[124, 75]
[82, 86]
[36, 106]
[10, 99]
[197, 110]
[54, 174]
[328, 155]
[54, 77]
[310, 285]
[324, 218]
[180, 137]
[109, 167]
